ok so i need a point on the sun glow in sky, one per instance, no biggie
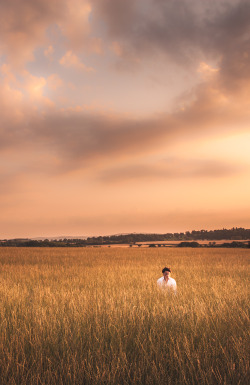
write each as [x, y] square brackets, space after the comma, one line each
[123, 116]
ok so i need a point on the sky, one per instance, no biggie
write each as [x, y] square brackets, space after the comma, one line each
[123, 116]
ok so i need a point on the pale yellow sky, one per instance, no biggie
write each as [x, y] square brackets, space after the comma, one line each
[123, 116]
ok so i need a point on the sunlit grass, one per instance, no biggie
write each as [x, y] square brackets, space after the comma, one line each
[95, 316]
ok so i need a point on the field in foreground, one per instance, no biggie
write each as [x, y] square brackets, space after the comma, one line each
[95, 316]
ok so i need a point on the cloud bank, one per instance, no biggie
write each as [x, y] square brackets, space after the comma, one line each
[63, 62]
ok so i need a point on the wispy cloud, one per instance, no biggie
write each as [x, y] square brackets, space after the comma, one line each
[172, 169]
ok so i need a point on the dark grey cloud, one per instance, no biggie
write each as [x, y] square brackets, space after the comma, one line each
[230, 41]
[186, 32]
[144, 27]
[84, 139]
[79, 140]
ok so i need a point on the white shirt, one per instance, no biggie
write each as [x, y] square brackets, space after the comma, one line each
[169, 284]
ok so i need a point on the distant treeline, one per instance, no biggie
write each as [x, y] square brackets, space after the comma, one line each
[244, 245]
[213, 244]
[236, 234]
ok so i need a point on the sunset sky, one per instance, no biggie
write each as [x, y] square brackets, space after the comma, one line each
[123, 116]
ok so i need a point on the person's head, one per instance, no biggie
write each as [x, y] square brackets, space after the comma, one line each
[166, 271]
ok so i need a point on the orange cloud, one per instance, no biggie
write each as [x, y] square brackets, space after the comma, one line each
[34, 85]
[25, 25]
[23, 28]
[207, 71]
[76, 27]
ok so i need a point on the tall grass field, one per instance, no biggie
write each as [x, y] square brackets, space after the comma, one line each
[96, 316]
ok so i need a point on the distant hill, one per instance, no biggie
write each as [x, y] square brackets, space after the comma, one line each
[57, 238]
[234, 234]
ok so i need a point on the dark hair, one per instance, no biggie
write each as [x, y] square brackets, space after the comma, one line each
[166, 269]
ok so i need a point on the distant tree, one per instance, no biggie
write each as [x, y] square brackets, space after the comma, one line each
[188, 244]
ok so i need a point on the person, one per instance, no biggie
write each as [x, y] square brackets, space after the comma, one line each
[166, 282]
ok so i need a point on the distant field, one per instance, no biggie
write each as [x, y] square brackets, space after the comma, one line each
[174, 243]
[95, 316]
[201, 242]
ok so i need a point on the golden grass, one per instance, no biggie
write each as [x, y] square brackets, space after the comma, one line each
[95, 316]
